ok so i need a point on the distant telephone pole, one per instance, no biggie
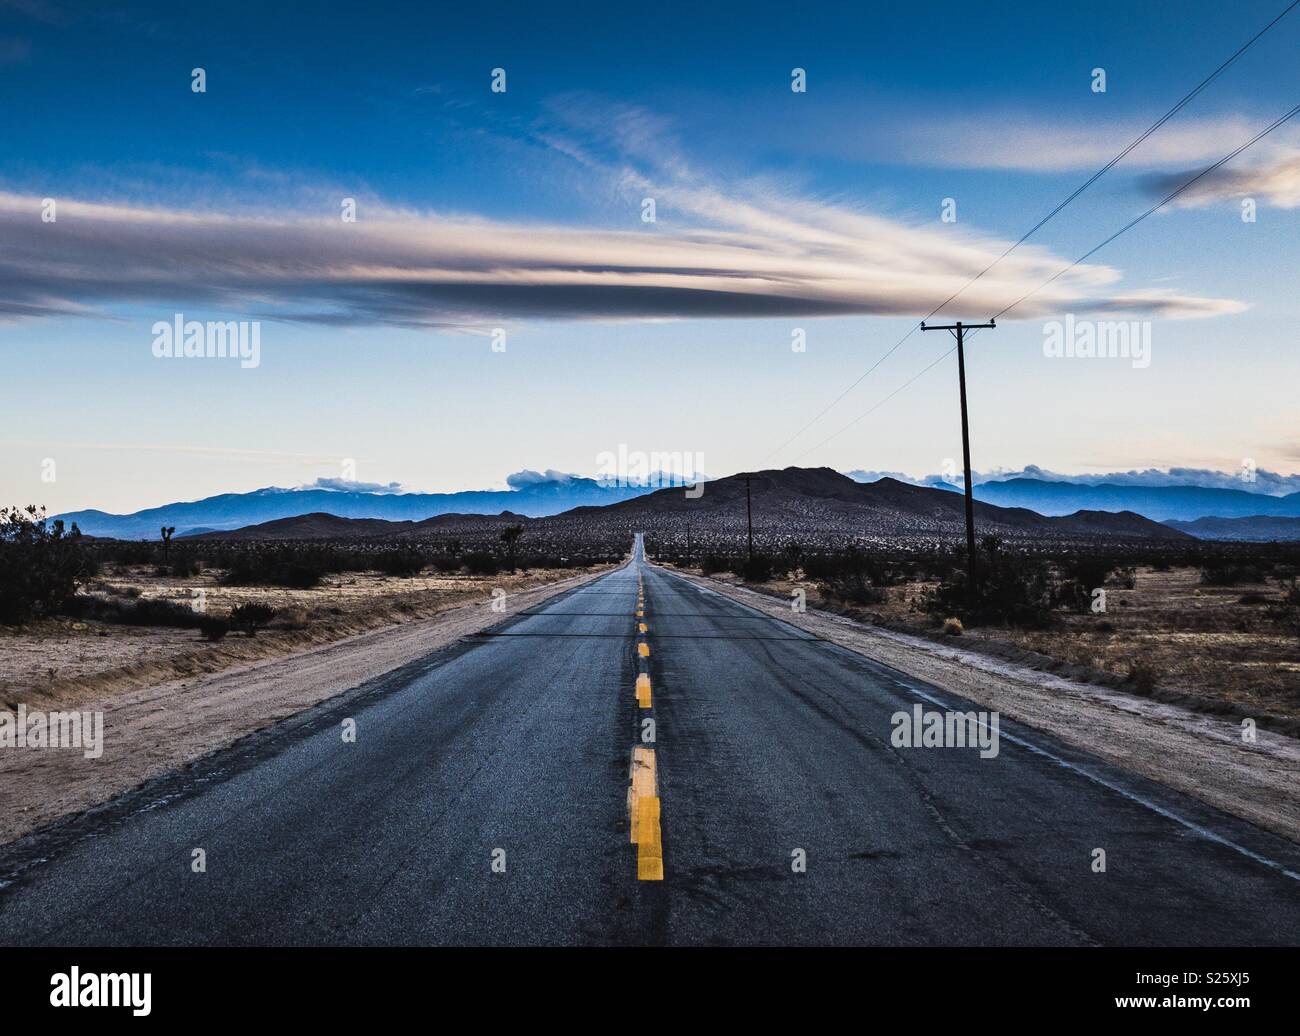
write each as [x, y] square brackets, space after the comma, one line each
[958, 329]
[749, 515]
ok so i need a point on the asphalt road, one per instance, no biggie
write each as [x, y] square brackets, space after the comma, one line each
[769, 747]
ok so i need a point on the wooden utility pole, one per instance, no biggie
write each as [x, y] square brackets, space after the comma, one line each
[958, 329]
[749, 515]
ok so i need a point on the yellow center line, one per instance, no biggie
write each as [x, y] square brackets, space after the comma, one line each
[643, 783]
[643, 812]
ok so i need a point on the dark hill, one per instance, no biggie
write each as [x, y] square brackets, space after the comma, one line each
[809, 504]
[322, 526]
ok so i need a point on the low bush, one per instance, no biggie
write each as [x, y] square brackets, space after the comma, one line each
[250, 617]
[41, 565]
[214, 627]
[404, 563]
[757, 569]
[1011, 589]
[481, 563]
[1079, 578]
[138, 611]
[299, 571]
[852, 576]
[1229, 573]
[712, 564]
[1142, 677]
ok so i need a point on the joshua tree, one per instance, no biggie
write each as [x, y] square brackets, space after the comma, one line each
[509, 536]
[167, 540]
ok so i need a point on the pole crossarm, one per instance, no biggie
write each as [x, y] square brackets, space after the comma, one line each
[956, 326]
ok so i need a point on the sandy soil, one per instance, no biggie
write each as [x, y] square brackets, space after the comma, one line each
[155, 728]
[63, 661]
[1199, 640]
[1203, 756]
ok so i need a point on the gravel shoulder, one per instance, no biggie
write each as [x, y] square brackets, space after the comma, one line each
[154, 730]
[1200, 755]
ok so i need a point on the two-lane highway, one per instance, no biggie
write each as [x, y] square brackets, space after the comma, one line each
[489, 795]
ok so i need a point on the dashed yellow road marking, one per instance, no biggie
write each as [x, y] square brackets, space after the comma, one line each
[643, 690]
[643, 649]
[650, 849]
[643, 813]
[642, 627]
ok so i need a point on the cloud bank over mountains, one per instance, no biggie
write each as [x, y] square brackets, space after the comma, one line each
[1267, 482]
[527, 477]
[343, 485]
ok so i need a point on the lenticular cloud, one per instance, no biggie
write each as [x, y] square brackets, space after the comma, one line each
[721, 257]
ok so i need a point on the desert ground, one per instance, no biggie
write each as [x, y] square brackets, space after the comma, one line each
[1171, 635]
[64, 659]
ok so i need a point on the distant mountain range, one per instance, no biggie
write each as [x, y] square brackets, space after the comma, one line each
[806, 505]
[1173, 504]
[236, 510]
[1259, 529]
[1159, 503]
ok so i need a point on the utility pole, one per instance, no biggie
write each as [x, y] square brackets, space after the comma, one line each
[958, 329]
[749, 514]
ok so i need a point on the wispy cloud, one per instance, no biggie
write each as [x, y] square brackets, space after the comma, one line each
[1032, 143]
[716, 250]
[1275, 180]
[232, 452]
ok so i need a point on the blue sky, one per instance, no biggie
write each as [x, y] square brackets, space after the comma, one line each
[522, 210]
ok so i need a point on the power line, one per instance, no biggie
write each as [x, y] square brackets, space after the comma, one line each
[877, 406]
[862, 377]
[1189, 96]
[1123, 154]
[1124, 229]
[1156, 207]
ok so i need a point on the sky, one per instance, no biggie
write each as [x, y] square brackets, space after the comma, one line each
[502, 301]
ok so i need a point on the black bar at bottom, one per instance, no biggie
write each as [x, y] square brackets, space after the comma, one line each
[335, 985]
